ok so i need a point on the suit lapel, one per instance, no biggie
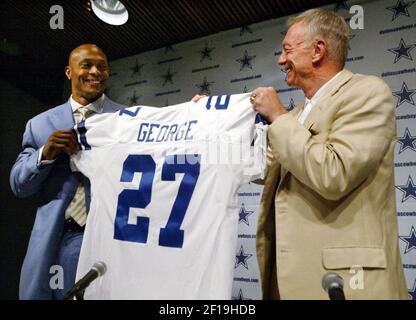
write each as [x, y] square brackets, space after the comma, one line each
[62, 118]
[295, 113]
[110, 106]
[298, 110]
[313, 115]
[320, 105]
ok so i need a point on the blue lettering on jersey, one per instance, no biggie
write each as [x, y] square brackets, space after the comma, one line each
[128, 112]
[259, 119]
[218, 104]
[162, 133]
[155, 132]
[187, 137]
[171, 235]
[82, 135]
[172, 131]
[139, 198]
[150, 138]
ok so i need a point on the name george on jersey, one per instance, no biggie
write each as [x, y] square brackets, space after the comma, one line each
[156, 132]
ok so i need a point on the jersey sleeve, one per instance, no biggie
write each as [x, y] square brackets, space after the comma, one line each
[256, 168]
[248, 133]
[93, 134]
[254, 155]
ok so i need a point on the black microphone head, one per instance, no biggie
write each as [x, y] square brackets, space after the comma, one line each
[100, 267]
[332, 280]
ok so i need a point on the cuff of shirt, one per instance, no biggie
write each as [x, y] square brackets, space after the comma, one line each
[41, 162]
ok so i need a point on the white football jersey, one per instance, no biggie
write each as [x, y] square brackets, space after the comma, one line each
[164, 209]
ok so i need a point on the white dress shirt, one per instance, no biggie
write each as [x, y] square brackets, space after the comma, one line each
[310, 103]
[96, 106]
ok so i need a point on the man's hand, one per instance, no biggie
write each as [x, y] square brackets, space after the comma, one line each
[266, 102]
[58, 142]
[197, 97]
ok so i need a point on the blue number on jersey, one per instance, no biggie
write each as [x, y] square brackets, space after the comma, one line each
[139, 198]
[218, 104]
[171, 235]
[128, 112]
[82, 137]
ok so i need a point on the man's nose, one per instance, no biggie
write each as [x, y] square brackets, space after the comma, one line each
[94, 70]
[282, 58]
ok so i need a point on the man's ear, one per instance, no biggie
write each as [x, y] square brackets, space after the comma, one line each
[68, 72]
[319, 51]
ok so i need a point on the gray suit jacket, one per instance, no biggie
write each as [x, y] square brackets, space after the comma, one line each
[54, 186]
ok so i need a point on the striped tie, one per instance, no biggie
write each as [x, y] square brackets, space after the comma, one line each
[77, 209]
[85, 113]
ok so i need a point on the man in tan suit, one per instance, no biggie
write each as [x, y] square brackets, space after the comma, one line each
[328, 202]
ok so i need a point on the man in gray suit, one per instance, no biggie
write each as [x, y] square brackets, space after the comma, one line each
[43, 169]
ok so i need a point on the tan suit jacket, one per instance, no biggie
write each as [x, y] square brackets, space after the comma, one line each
[329, 202]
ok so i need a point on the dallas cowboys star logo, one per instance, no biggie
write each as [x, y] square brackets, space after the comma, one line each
[410, 240]
[407, 141]
[133, 99]
[137, 68]
[241, 258]
[243, 214]
[245, 90]
[342, 5]
[245, 29]
[204, 86]
[404, 95]
[206, 53]
[239, 296]
[168, 77]
[291, 105]
[402, 50]
[412, 293]
[245, 61]
[409, 190]
[400, 9]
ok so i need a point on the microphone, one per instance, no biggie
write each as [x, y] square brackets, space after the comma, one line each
[97, 270]
[333, 284]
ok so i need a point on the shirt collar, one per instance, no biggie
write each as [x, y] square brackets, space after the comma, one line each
[322, 90]
[96, 106]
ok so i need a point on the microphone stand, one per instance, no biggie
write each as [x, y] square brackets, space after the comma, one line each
[78, 289]
[80, 295]
[336, 294]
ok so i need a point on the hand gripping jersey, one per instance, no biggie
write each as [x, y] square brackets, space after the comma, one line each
[164, 210]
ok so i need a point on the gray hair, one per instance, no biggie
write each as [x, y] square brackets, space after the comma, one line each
[330, 27]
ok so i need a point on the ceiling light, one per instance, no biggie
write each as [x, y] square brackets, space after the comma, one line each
[110, 11]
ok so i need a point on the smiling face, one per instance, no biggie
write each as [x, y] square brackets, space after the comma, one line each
[88, 72]
[296, 56]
